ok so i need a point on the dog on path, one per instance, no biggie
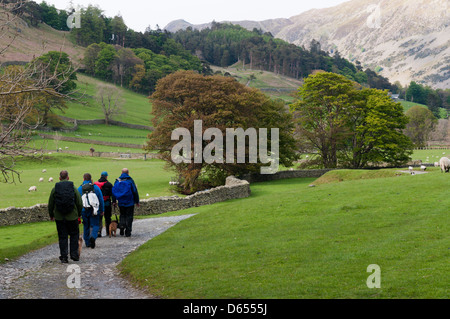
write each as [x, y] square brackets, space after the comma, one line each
[113, 228]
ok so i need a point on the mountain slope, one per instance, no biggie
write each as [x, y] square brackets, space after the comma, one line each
[27, 42]
[404, 39]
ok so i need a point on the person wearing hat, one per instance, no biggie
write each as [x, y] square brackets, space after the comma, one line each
[106, 188]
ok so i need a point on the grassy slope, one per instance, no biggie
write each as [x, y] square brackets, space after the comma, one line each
[264, 80]
[292, 241]
[137, 106]
[34, 41]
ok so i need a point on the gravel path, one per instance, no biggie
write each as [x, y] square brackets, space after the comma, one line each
[40, 274]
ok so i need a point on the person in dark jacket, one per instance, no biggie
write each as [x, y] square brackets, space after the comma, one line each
[91, 214]
[126, 201]
[64, 207]
[106, 188]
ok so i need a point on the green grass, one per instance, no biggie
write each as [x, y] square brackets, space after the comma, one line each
[109, 133]
[292, 241]
[52, 146]
[137, 106]
[150, 177]
[407, 105]
[18, 240]
[430, 156]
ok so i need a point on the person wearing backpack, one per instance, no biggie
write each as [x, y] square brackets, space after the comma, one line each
[93, 207]
[64, 207]
[126, 194]
[106, 188]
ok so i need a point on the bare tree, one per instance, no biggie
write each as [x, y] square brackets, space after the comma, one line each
[110, 100]
[21, 88]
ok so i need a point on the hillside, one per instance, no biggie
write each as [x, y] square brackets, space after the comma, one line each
[407, 40]
[274, 85]
[32, 42]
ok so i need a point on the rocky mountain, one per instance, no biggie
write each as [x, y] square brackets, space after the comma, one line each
[404, 40]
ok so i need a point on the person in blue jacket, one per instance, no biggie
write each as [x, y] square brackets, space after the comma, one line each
[126, 194]
[93, 207]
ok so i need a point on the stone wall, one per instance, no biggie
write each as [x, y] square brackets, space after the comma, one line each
[233, 189]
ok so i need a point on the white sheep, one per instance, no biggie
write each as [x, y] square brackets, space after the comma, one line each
[444, 163]
[411, 168]
[50, 179]
[423, 168]
[44, 171]
[436, 164]
[32, 189]
[41, 180]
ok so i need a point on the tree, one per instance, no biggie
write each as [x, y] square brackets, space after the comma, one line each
[349, 127]
[92, 27]
[219, 102]
[110, 100]
[376, 124]
[58, 64]
[321, 114]
[421, 124]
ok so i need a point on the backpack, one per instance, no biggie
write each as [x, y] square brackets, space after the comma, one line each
[89, 198]
[122, 191]
[64, 197]
[106, 189]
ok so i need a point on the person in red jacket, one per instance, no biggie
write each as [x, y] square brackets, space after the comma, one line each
[106, 188]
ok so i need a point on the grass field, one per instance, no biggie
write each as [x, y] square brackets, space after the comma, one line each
[430, 156]
[137, 106]
[407, 105]
[109, 133]
[292, 241]
[150, 177]
[52, 146]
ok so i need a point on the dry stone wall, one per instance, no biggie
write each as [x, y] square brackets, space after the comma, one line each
[234, 188]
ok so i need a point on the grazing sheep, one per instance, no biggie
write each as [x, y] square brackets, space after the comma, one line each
[423, 168]
[32, 189]
[41, 180]
[50, 179]
[444, 164]
[436, 164]
[411, 168]
[44, 171]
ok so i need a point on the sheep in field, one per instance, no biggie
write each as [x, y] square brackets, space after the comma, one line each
[50, 179]
[32, 189]
[423, 168]
[44, 171]
[436, 164]
[41, 180]
[445, 164]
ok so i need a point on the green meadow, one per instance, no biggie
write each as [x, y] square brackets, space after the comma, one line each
[289, 240]
[136, 106]
[150, 177]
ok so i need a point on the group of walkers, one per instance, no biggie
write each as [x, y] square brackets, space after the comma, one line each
[92, 201]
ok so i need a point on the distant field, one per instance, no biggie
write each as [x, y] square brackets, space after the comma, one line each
[279, 86]
[407, 105]
[137, 106]
[150, 177]
[430, 156]
[52, 146]
[109, 133]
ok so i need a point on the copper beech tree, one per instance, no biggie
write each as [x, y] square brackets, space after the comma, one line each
[221, 103]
